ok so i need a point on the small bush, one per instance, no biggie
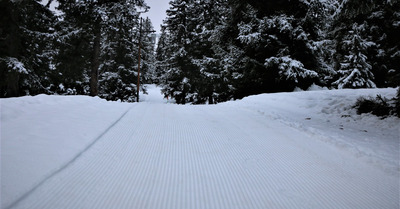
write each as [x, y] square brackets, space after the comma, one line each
[378, 106]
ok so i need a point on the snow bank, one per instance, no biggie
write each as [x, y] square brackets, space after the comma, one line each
[328, 114]
[40, 134]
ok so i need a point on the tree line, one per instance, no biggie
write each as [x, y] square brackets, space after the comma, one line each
[216, 50]
[209, 51]
[90, 49]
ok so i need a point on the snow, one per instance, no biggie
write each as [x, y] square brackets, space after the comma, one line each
[41, 134]
[328, 114]
[15, 65]
[289, 68]
[306, 149]
[53, 6]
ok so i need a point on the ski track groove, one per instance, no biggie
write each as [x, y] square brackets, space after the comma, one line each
[199, 162]
[66, 165]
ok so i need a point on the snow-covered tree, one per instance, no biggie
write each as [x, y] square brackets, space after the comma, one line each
[291, 72]
[148, 52]
[274, 39]
[209, 50]
[355, 71]
[97, 20]
[106, 35]
[376, 21]
[118, 54]
[26, 52]
[212, 77]
[353, 8]
[192, 68]
[162, 55]
[180, 72]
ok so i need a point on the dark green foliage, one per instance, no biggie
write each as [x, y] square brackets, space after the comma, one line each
[72, 61]
[190, 72]
[26, 48]
[209, 51]
[355, 70]
[379, 106]
[380, 22]
[98, 48]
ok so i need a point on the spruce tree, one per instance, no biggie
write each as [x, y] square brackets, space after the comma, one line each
[355, 71]
[148, 51]
[26, 52]
[268, 37]
[119, 55]
[377, 19]
[180, 72]
[211, 78]
[107, 34]
[161, 56]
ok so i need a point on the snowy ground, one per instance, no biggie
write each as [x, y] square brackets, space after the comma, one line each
[287, 150]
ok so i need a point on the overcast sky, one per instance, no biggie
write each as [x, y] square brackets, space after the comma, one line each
[157, 12]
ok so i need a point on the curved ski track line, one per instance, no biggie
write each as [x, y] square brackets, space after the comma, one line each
[179, 157]
[67, 164]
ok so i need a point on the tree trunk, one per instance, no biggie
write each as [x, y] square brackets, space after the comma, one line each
[12, 84]
[94, 77]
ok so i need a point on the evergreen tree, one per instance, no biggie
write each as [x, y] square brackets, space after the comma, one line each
[383, 30]
[209, 50]
[119, 52]
[26, 52]
[318, 23]
[212, 78]
[192, 72]
[180, 72]
[106, 34]
[148, 52]
[378, 20]
[160, 56]
[82, 30]
[355, 71]
[275, 36]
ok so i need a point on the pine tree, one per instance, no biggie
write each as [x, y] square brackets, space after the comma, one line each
[118, 57]
[354, 8]
[180, 72]
[72, 60]
[211, 79]
[161, 56]
[378, 18]
[277, 38]
[26, 51]
[355, 71]
[148, 51]
[106, 33]
[383, 30]
[82, 30]
[192, 71]
[97, 19]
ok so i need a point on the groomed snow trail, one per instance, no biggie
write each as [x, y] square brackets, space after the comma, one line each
[179, 157]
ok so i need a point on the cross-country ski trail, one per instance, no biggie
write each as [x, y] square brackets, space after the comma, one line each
[161, 155]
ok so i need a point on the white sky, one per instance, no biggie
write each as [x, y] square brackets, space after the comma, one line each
[157, 12]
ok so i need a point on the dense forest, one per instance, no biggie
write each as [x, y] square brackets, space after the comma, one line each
[209, 51]
[90, 49]
[215, 50]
